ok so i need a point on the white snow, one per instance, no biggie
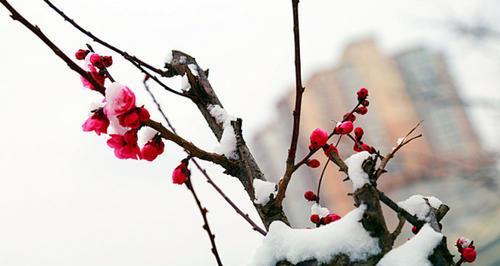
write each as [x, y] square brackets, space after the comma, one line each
[144, 135]
[182, 59]
[263, 190]
[169, 57]
[355, 171]
[185, 86]
[95, 105]
[416, 205]
[346, 236]
[194, 69]
[115, 127]
[227, 143]
[414, 252]
[320, 211]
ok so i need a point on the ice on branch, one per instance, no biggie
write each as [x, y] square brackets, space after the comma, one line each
[355, 169]
[416, 251]
[263, 191]
[227, 143]
[346, 236]
[418, 205]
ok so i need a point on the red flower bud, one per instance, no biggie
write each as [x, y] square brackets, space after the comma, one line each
[313, 163]
[329, 149]
[358, 133]
[181, 173]
[356, 147]
[326, 220]
[361, 110]
[414, 230]
[318, 138]
[95, 60]
[362, 94]
[334, 217]
[81, 54]
[349, 117]
[310, 196]
[365, 103]
[107, 61]
[469, 255]
[315, 219]
[344, 128]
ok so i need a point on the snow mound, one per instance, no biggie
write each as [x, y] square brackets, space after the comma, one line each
[355, 171]
[417, 205]
[414, 252]
[346, 236]
[227, 144]
[263, 190]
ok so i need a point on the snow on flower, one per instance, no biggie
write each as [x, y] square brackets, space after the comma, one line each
[318, 210]
[416, 251]
[145, 134]
[418, 206]
[263, 191]
[355, 171]
[227, 143]
[346, 236]
[119, 99]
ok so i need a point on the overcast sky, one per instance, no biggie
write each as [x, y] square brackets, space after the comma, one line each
[66, 200]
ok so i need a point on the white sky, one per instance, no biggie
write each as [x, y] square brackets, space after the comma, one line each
[65, 199]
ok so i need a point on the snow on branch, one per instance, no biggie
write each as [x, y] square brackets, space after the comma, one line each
[420, 206]
[347, 236]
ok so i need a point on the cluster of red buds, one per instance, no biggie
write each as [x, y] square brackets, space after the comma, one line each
[95, 65]
[466, 249]
[332, 217]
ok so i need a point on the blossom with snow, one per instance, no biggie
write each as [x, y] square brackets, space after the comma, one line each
[119, 99]
[97, 122]
[344, 128]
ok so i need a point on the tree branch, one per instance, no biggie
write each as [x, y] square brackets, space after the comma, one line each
[138, 63]
[245, 216]
[203, 212]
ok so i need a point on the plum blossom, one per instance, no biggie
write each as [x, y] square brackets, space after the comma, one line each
[119, 99]
[97, 122]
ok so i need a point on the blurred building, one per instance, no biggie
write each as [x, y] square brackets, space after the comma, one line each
[404, 89]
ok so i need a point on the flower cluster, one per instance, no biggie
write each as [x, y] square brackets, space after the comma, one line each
[118, 113]
[319, 215]
[466, 249]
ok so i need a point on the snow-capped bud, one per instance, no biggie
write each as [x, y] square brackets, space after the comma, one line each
[365, 103]
[313, 163]
[81, 54]
[344, 128]
[310, 196]
[358, 133]
[361, 110]
[315, 219]
[152, 149]
[469, 255]
[334, 217]
[318, 138]
[329, 149]
[181, 173]
[463, 242]
[107, 61]
[349, 117]
[362, 94]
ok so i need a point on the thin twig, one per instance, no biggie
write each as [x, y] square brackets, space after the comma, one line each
[204, 172]
[203, 212]
[138, 63]
[321, 179]
[299, 90]
[38, 32]
[398, 229]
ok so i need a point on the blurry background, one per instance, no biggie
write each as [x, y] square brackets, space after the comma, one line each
[65, 199]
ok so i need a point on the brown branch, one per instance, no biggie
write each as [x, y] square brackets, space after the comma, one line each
[38, 32]
[203, 212]
[398, 229]
[245, 216]
[192, 149]
[390, 155]
[320, 180]
[138, 63]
